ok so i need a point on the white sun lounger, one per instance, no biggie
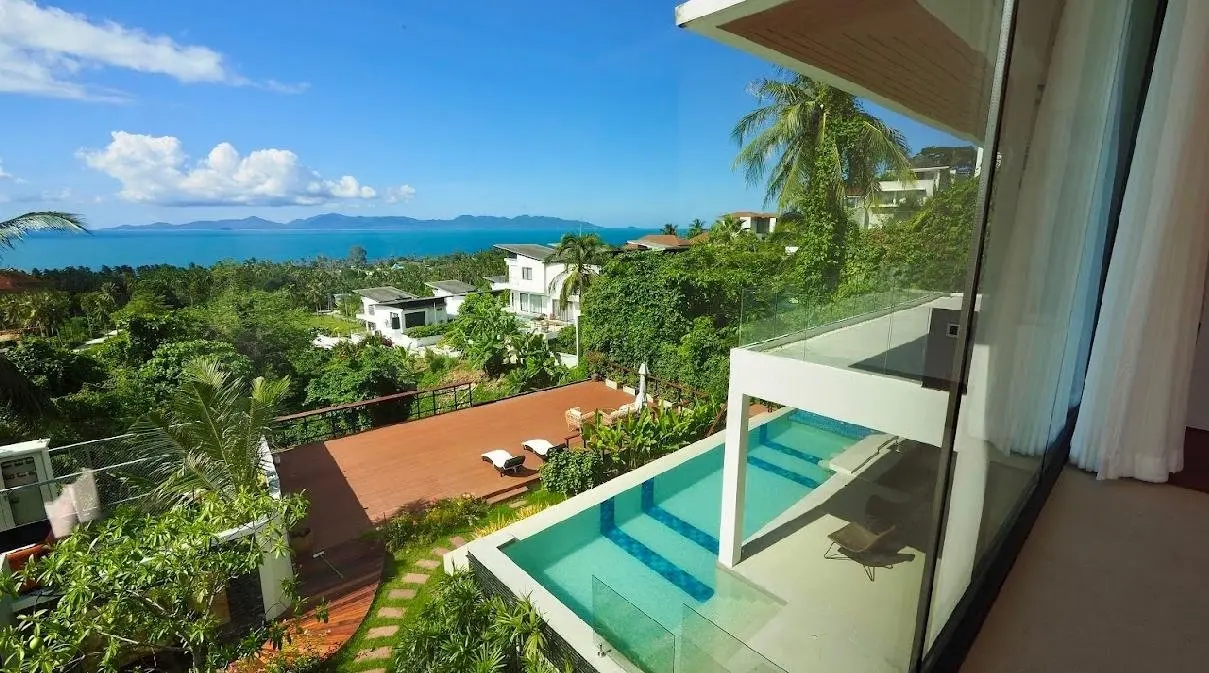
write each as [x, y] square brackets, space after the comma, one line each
[503, 461]
[541, 447]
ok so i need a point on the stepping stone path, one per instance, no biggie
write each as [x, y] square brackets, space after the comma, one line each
[383, 631]
[516, 504]
[376, 653]
[401, 594]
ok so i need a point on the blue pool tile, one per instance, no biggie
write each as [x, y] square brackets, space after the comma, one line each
[849, 430]
[782, 472]
[790, 451]
[665, 568]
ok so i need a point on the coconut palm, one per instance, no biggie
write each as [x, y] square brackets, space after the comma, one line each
[669, 229]
[17, 391]
[581, 257]
[13, 230]
[208, 438]
[696, 228]
[801, 121]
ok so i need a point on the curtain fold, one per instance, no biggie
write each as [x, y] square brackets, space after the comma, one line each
[1046, 257]
[1131, 422]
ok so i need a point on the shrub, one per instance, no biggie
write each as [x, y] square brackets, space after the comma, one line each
[571, 472]
[422, 331]
[425, 523]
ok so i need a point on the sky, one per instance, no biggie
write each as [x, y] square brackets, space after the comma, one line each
[131, 112]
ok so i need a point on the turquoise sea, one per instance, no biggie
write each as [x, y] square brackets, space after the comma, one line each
[134, 248]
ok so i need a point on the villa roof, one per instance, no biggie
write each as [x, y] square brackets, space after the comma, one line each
[452, 286]
[15, 281]
[752, 213]
[660, 242]
[384, 294]
[531, 250]
[497, 279]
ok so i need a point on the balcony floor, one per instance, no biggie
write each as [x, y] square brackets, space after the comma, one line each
[357, 480]
[1111, 579]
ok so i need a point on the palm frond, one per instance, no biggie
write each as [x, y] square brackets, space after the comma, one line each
[13, 230]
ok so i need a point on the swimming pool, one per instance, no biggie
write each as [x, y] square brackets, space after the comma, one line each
[649, 553]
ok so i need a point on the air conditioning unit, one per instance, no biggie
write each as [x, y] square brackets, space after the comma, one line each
[25, 471]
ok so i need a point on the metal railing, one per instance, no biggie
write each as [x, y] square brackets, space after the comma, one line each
[664, 390]
[349, 419]
[112, 460]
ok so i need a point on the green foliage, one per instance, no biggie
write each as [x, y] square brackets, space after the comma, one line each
[264, 326]
[564, 341]
[53, 368]
[361, 371]
[482, 332]
[423, 331]
[135, 583]
[426, 522]
[572, 472]
[535, 365]
[208, 437]
[461, 631]
[357, 255]
[162, 374]
[581, 255]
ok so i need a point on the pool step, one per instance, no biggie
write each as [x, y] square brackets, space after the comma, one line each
[782, 472]
[849, 430]
[685, 529]
[792, 452]
[650, 558]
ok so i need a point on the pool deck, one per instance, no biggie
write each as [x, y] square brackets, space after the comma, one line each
[355, 481]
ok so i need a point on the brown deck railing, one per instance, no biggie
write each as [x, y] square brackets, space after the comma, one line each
[349, 419]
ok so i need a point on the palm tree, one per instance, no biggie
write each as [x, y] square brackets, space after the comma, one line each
[803, 124]
[669, 229]
[696, 228]
[582, 257]
[208, 438]
[17, 391]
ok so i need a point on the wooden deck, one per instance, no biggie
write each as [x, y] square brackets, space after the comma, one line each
[355, 481]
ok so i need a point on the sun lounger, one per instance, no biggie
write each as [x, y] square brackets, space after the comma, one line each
[503, 461]
[865, 543]
[541, 447]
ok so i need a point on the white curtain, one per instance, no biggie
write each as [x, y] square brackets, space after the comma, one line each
[1044, 254]
[1131, 423]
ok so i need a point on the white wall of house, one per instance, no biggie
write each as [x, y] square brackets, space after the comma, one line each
[529, 291]
[392, 321]
[453, 302]
[893, 193]
[758, 225]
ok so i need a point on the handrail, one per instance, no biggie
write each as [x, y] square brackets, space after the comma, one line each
[369, 402]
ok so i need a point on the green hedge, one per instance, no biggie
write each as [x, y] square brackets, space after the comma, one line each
[428, 330]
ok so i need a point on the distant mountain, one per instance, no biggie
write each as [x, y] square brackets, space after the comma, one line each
[337, 222]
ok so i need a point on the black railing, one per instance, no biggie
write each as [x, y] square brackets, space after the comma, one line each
[664, 390]
[349, 419]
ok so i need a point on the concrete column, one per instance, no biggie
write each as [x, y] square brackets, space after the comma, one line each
[734, 478]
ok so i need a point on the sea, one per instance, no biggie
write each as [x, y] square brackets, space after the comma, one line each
[46, 250]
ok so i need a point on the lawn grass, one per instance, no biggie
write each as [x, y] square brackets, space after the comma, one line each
[333, 325]
[398, 565]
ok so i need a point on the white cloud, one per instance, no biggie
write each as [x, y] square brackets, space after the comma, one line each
[402, 193]
[43, 49]
[156, 170]
[3, 175]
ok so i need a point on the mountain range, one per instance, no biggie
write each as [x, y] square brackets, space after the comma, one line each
[338, 222]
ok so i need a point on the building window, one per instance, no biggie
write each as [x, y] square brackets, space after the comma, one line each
[394, 320]
[526, 273]
[414, 319]
[371, 309]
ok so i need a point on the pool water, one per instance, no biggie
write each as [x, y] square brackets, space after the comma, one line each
[656, 545]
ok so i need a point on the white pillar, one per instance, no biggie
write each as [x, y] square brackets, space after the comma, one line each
[734, 478]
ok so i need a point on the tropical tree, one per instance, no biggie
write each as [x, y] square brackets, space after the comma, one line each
[483, 332]
[208, 438]
[13, 230]
[696, 228]
[536, 365]
[799, 121]
[670, 229]
[15, 390]
[581, 256]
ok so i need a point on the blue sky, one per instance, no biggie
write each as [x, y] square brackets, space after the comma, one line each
[131, 111]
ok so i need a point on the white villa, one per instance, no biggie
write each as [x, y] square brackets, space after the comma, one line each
[454, 292]
[893, 193]
[533, 283]
[760, 224]
[390, 312]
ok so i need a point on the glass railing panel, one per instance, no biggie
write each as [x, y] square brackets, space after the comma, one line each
[706, 647]
[622, 628]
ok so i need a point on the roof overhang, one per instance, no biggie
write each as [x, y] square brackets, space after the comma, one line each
[931, 60]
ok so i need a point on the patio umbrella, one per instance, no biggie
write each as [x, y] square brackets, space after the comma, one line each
[641, 396]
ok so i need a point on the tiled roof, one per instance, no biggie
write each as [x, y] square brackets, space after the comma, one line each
[531, 250]
[384, 294]
[661, 242]
[452, 286]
